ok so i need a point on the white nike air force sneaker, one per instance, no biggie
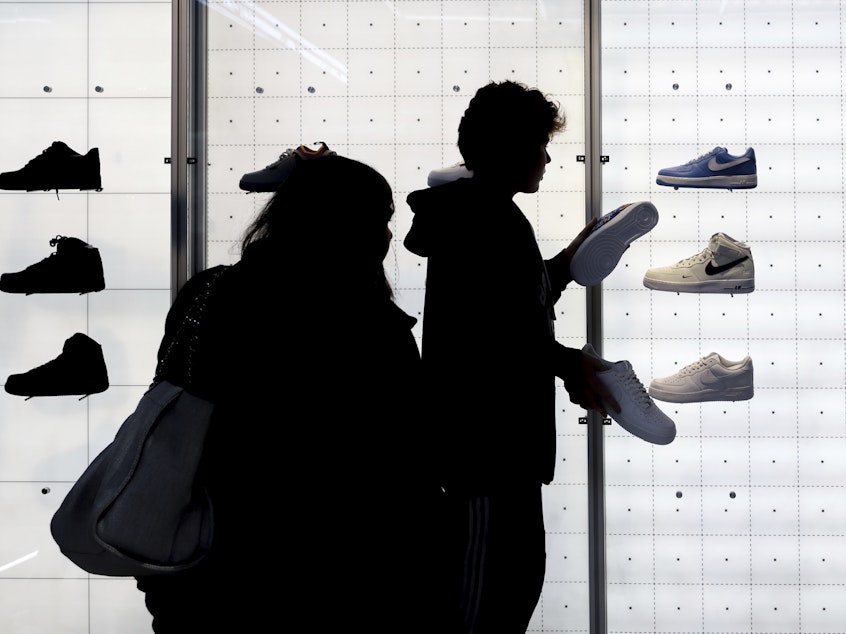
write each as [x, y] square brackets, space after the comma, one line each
[605, 245]
[724, 266]
[711, 378]
[638, 415]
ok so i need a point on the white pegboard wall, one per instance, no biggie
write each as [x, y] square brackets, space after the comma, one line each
[91, 75]
[727, 528]
[741, 511]
[387, 83]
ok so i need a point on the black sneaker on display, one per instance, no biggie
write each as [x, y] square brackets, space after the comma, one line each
[75, 267]
[79, 369]
[57, 167]
[268, 179]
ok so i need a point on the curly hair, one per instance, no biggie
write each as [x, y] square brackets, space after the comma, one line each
[506, 115]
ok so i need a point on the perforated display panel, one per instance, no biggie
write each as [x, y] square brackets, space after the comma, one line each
[737, 525]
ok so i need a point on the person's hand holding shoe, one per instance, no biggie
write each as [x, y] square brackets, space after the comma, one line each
[578, 371]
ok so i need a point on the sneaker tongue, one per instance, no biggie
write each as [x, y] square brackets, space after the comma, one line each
[67, 244]
[723, 249]
[61, 146]
[714, 243]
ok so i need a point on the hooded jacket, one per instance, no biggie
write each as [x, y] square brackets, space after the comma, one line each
[488, 336]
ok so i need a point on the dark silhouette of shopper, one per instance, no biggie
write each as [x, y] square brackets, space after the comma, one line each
[490, 356]
[325, 505]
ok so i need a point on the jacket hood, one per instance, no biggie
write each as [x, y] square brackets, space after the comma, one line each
[437, 211]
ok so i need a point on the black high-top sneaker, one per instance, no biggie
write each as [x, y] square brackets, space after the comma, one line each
[79, 369]
[57, 167]
[75, 267]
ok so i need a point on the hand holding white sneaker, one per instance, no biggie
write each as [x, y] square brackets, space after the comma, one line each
[638, 415]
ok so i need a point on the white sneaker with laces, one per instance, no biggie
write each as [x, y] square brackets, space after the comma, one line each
[711, 378]
[638, 414]
[600, 252]
[448, 174]
[724, 266]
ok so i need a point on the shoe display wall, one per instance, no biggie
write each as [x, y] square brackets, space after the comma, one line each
[708, 533]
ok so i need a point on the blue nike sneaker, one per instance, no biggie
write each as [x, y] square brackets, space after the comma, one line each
[717, 169]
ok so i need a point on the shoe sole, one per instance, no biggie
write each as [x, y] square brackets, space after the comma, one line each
[711, 286]
[652, 433]
[644, 433]
[744, 181]
[743, 393]
[442, 177]
[602, 250]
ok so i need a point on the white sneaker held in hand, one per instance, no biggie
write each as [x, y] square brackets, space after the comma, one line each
[606, 243]
[638, 414]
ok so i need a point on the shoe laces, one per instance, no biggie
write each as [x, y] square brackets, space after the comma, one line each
[635, 388]
[282, 157]
[702, 256]
[53, 242]
[39, 158]
[705, 155]
[691, 368]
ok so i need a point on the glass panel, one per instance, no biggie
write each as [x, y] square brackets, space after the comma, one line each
[386, 83]
[733, 525]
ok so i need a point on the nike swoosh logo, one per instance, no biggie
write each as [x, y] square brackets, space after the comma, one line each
[709, 379]
[715, 166]
[710, 269]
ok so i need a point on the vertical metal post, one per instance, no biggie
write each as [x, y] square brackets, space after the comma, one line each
[188, 147]
[179, 151]
[197, 136]
[595, 431]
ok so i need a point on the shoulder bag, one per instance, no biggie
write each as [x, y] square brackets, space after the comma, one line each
[138, 509]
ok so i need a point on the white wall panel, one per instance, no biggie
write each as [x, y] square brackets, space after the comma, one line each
[732, 506]
[92, 75]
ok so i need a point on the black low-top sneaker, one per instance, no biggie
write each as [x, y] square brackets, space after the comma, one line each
[57, 167]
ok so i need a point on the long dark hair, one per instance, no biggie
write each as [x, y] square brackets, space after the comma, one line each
[329, 216]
